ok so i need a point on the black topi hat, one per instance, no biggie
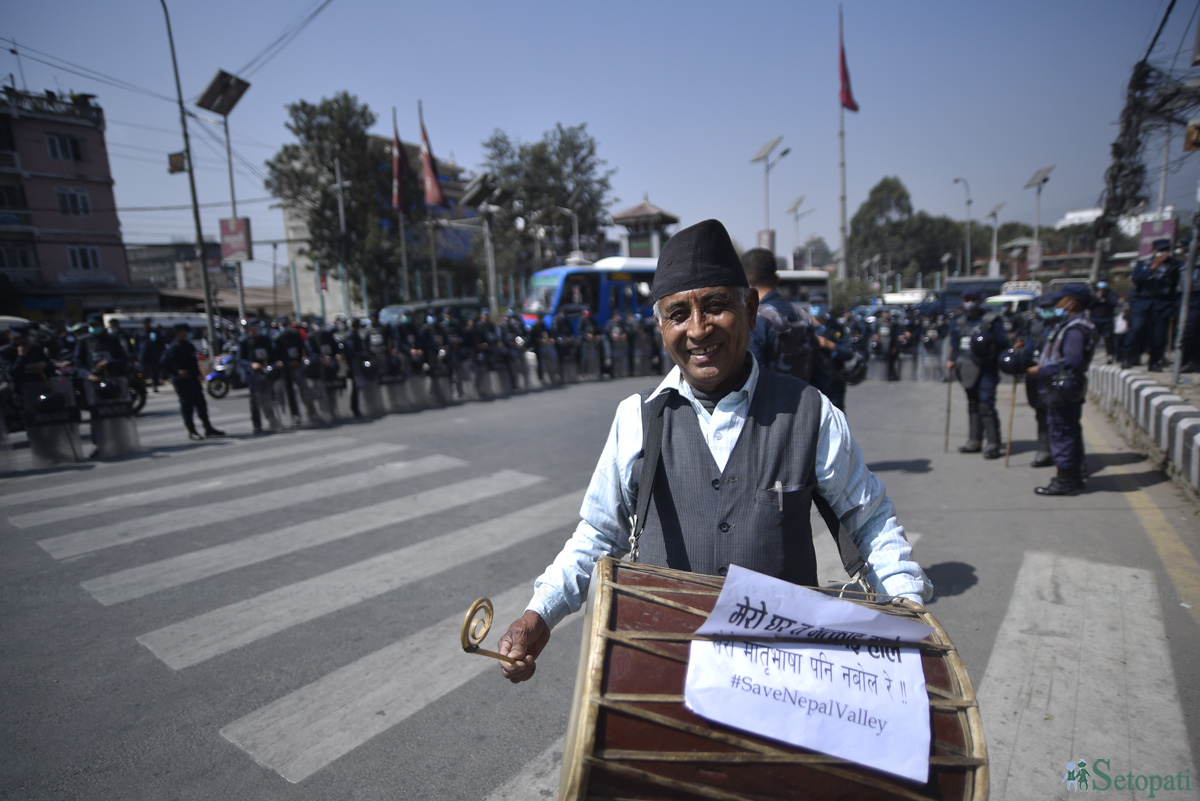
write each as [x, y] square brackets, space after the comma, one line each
[699, 256]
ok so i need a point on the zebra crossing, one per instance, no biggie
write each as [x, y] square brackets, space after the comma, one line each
[305, 728]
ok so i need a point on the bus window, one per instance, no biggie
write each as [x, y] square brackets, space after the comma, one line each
[581, 290]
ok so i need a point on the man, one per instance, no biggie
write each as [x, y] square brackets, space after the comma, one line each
[1062, 382]
[149, 344]
[254, 354]
[99, 356]
[1102, 314]
[289, 350]
[834, 354]
[783, 338]
[1152, 306]
[977, 339]
[179, 362]
[1038, 327]
[24, 360]
[1190, 353]
[732, 434]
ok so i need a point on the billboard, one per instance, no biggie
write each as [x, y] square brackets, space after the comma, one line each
[235, 239]
[1163, 229]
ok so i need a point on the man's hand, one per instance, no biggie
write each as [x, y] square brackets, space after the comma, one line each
[523, 641]
[1032, 370]
[256, 366]
[950, 365]
[182, 373]
[826, 344]
[102, 364]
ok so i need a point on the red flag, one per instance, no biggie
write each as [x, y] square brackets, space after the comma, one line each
[433, 188]
[847, 94]
[400, 167]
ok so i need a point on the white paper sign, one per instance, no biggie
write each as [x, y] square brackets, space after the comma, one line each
[864, 703]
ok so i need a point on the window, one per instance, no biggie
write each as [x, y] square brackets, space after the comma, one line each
[16, 257]
[11, 197]
[64, 147]
[84, 257]
[73, 202]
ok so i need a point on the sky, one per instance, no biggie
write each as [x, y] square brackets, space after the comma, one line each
[679, 96]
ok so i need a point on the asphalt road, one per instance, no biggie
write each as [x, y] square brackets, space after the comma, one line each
[277, 618]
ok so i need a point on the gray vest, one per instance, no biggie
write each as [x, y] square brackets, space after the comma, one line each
[702, 519]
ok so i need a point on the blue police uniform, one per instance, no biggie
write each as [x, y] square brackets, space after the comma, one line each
[1062, 382]
[1151, 306]
[976, 363]
[179, 362]
[1191, 332]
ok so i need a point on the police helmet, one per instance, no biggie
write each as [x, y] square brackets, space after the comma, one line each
[854, 370]
[370, 369]
[1013, 362]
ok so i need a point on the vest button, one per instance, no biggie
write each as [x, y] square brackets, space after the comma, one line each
[724, 527]
[716, 482]
[721, 571]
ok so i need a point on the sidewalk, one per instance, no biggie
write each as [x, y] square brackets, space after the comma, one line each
[1154, 415]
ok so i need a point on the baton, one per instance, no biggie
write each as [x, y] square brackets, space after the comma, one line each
[1012, 408]
[949, 390]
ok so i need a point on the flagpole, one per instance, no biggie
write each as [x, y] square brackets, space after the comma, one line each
[842, 170]
[400, 219]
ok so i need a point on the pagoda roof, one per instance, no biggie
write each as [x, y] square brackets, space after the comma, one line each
[645, 212]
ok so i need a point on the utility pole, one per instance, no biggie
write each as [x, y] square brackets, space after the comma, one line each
[187, 151]
[337, 173]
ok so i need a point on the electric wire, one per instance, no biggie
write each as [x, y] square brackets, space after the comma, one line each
[283, 40]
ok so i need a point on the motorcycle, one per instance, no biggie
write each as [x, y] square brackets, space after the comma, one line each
[224, 376]
[137, 388]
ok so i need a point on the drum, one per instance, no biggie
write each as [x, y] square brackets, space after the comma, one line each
[631, 737]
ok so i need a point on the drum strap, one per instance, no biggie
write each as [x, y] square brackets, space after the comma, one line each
[652, 435]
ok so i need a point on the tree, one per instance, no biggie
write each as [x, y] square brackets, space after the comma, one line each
[563, 166]
[302, 175]
[821, 254]
[878, 226]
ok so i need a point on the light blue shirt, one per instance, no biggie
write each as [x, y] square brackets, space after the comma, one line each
[856, 494]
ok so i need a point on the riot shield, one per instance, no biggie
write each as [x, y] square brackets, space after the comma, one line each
[370, 393]
[52, 422]
[114, 430]
[263, 395]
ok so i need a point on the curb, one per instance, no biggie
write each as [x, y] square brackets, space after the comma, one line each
[1153, 416]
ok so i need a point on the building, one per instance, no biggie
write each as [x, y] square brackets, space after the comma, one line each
[645, 228]
[61, 254]
[175, 266]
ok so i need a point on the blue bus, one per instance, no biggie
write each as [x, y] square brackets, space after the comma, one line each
[613, 285]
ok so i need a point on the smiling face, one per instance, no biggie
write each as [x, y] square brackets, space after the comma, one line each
[707, 333]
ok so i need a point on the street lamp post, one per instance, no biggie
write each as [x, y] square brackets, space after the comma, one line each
[574, 224]
[967, 241]
[187, 150]
[764, 155]
[340, 185]
[1038, 180]
[994, 264]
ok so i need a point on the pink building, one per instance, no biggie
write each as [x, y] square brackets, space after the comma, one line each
[61, 254]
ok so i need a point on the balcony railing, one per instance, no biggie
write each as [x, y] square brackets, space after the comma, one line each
[10, 218]
[10, 160]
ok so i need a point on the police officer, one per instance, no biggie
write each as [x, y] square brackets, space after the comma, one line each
[180, 363]
[1152, 306]
[99, 355]
[356, 354]
[254, 354]
[149, 344]
[1102, 313]
[23, 359]
[1190, 352]
[834, 353]
[289, 349]
[977, 339]
[1061, 374]
[1040, 322]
